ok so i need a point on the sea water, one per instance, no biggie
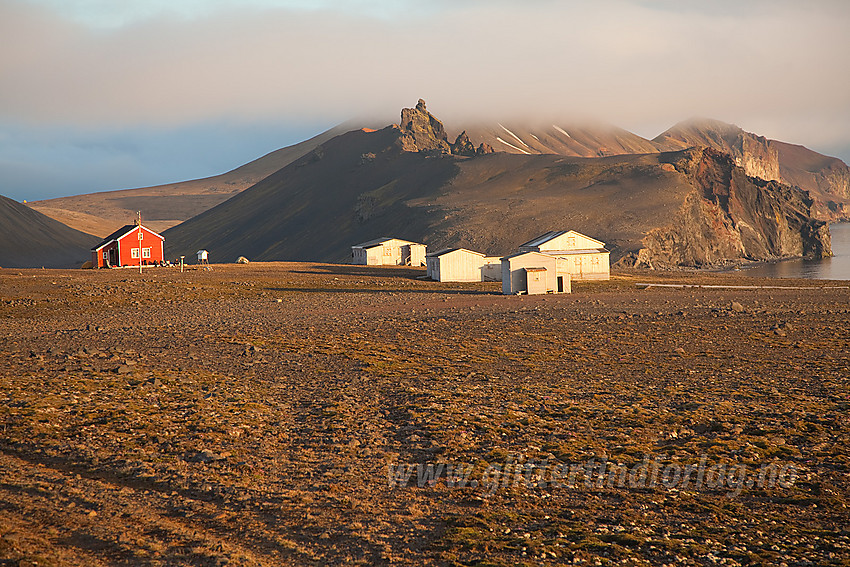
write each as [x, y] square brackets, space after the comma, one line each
[835, 268]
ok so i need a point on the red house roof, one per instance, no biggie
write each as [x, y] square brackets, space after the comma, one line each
[121, 233]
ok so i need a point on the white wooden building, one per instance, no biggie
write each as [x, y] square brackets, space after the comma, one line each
[388, 252]
[533, 273]
[463, 265]
[583, 257]
[491, 271]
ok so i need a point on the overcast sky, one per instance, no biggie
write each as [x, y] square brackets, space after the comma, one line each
[101, 94]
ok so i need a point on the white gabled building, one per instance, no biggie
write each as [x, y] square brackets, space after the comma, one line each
[388, 252]
[533, 273]
[462, 265]
[584, 258]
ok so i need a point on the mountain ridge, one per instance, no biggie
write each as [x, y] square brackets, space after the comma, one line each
[826, 180]
[31, 239]
[169, 204]
[404, 180]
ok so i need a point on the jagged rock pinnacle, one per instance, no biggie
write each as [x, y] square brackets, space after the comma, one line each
[422, 131]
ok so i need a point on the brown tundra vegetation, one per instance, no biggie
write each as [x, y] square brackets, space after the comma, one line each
[268, 414]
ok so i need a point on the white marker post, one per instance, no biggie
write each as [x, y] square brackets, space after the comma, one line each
[139, 222]
[140, 248]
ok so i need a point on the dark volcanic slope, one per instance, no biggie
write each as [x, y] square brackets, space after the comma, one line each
[31, 239]
[351, 189]
[164, 206]
[690, 208]
[499, 201]
[363, 185]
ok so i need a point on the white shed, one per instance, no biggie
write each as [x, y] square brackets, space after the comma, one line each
[388, 252]
[583, 257]
[463, 265]
[454, 265]
[533, 273]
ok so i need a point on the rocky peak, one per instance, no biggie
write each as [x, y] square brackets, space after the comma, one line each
[463, 146]
[422, 131]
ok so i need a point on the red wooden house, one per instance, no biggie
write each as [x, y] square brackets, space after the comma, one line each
[125, 247]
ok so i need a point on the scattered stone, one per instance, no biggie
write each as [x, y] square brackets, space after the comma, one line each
[206, 456]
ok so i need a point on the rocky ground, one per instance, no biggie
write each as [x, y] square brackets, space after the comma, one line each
[268, 414]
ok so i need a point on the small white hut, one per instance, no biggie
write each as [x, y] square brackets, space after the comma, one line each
[533, 273]
[388, 252]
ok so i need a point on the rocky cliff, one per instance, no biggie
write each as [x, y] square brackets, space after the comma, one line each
[731, 215]
[826, 179]
[752, 153]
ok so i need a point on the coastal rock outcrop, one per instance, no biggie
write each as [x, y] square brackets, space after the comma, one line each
[827, 179]
[731, 215]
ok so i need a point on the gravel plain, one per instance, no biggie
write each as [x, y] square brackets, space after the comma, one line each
[265, 414]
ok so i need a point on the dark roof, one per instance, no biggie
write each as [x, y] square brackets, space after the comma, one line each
[373, 243]
[380, 241]
[124, 230]
[544, 238]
